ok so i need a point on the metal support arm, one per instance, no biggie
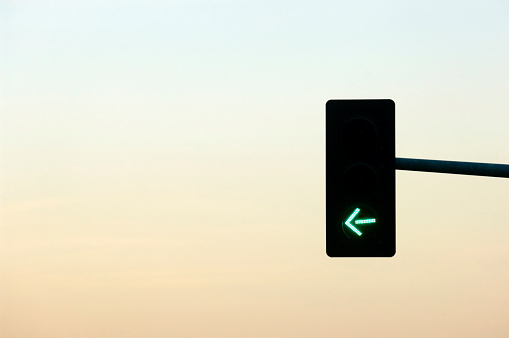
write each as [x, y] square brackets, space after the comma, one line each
[452, 167]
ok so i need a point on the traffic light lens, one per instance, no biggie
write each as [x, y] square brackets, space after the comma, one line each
[360, 180]
[359, 134]
[360, 223]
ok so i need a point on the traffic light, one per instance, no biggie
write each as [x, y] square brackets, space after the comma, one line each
[360, 178]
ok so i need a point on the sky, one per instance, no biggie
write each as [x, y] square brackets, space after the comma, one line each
[162, 168]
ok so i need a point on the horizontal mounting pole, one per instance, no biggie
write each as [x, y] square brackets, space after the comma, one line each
[452, 167]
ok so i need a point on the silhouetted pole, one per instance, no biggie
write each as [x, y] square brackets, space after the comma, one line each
[452, 167]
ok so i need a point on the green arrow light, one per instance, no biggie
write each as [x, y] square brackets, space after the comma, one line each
[359, 221]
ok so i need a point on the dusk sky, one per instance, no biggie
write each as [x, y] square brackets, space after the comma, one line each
[162, 168]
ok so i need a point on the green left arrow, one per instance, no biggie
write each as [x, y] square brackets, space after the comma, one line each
[359, 221]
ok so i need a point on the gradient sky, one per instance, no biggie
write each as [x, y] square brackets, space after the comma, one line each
[163, 168]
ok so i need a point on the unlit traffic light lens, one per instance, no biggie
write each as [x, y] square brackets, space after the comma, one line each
[360, 180]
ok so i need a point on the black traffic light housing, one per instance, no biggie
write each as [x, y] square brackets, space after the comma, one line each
[360, 178]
